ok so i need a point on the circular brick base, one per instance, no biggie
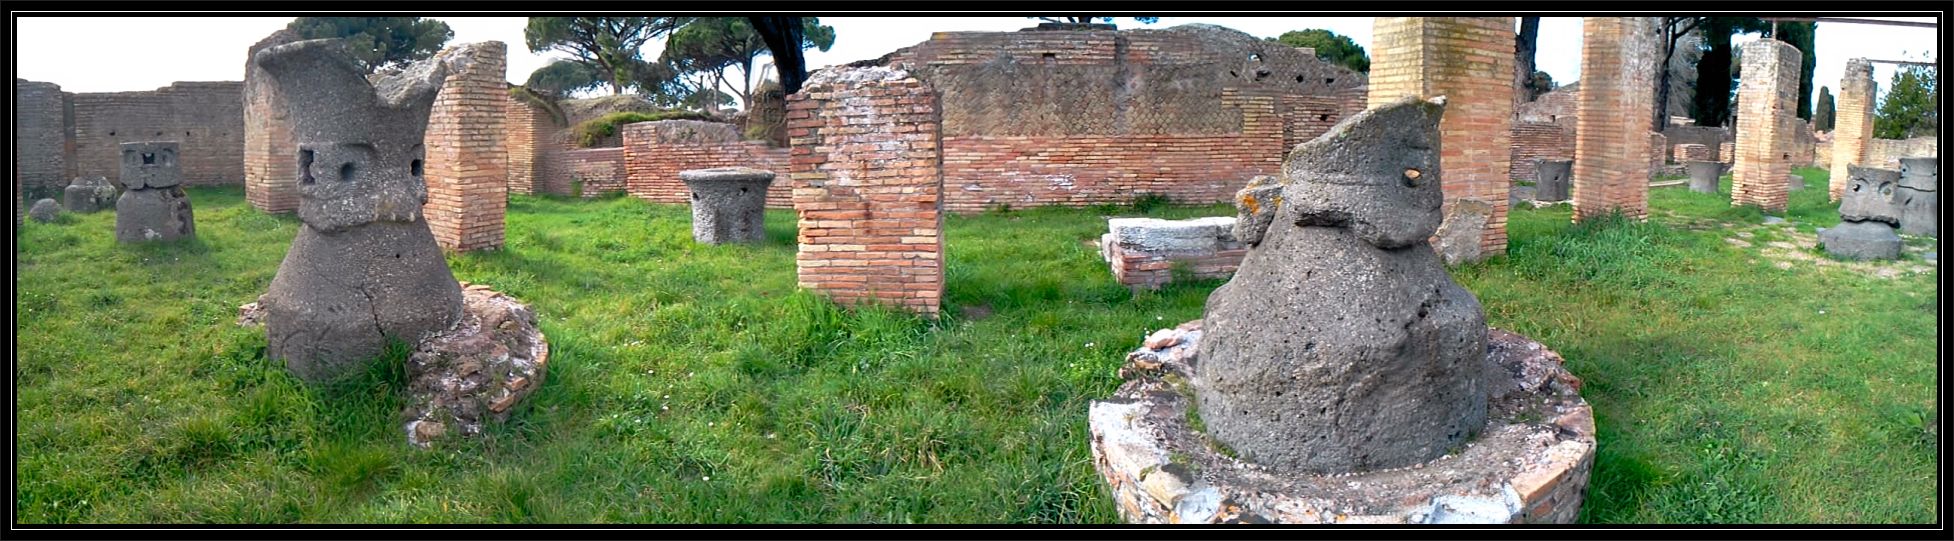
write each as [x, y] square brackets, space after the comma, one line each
[1529, 464]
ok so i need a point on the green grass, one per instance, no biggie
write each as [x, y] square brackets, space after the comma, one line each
[694, 383]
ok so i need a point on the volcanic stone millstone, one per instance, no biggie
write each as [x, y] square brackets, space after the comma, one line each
[154, 207]
[729, 204]
[364, 268]
[1869, 215]
[1341, 344]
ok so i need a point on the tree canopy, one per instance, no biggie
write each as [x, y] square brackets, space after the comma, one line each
[1823, 116]
[1330, 47]
[609, 46]
[379, 42]
[1087, 20]
[710, 45]
[1911, 106]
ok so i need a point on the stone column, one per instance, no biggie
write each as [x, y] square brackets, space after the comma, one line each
[1853, 127]
[270, 148]
[867, 172]
[467, 159]
[1612, 146]
[1767, 95]
[1469, 60]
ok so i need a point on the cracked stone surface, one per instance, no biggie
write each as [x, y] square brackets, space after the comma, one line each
[1341, 344]
[364, 269]
[1530, 465]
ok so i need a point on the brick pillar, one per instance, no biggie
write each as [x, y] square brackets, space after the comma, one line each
[1852, 129]
[270, 148]
[1469, 60]
[42, 140]
[467, 160]
[525, 123]
[867, 174]
[1766, 96]
[1613, 148]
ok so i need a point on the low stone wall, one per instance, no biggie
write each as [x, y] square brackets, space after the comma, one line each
[655, 152]
[586, 172]
[1144, 252]
[1886, 153]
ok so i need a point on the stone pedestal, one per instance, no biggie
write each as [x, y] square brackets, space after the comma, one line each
[44, 211]
[1795, 182]
[1861, 241]
[1551, 179]
[1920, 196]
[1703, 175]
[88, 195]
[1143, 252]
[1530, 463]
[161, 214]
[729, 204]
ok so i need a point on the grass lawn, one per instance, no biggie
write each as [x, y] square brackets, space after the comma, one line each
[695, 384]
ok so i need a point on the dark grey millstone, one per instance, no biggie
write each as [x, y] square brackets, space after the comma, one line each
[729, 204]
[1861, 241]
[150, 164]
[1341, 344]
[44, 211]
[1795, 182]
[88, 195]
[1515, 195]
[154, 215]
[1871, 194]
[364, 268]
[1703, 175]
[1919, 196]
[1552, 179]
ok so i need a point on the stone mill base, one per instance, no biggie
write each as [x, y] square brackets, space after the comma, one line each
[1529, 464]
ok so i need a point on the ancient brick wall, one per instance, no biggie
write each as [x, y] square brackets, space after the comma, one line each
[1469, 60]
[467, 157]
[1767, 101]
[1852, 128]
[1538, 140]
[1708, 136]
[1658, 152]
[655, 152]
[1557, 106]
[867, 181]
[585, 172]
[1613, 146]
[1886, 153]
[1080, 117]
[205, 119]
[42, 158]
[1688, 152]
[526, 123]
[270, 147]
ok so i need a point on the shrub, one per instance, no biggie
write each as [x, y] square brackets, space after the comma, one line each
[589, 132]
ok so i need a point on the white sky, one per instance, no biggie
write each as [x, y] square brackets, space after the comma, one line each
[139, 53]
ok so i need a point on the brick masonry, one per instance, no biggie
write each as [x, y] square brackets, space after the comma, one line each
[1083, 117]
[1140, 266]
[1767, 101]
[1538, 140]
[1613, 147]
[270, 148]
[655, 152]
[205, 118]
[1469, 60]
[866, 168]
[1688, 152]
[42, 156]
[526, 123]
[1852, 129]
[467, 156]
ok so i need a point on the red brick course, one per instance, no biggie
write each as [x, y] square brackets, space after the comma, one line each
[652, 161]
[868, 186]
[1613, 148]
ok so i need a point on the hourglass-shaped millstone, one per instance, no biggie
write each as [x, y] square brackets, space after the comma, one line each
[364, 268]
[1341, 344]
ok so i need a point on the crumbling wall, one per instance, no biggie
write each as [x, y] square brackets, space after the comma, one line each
[867, 178]
[270, 147]
[655, 152]
[1538, 140]
[205, 118]
[1469, 61]
[467, 157]
[1614, 149]
[1886, 153]
[42, 157]
[1767, 101]
[1080, 117]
